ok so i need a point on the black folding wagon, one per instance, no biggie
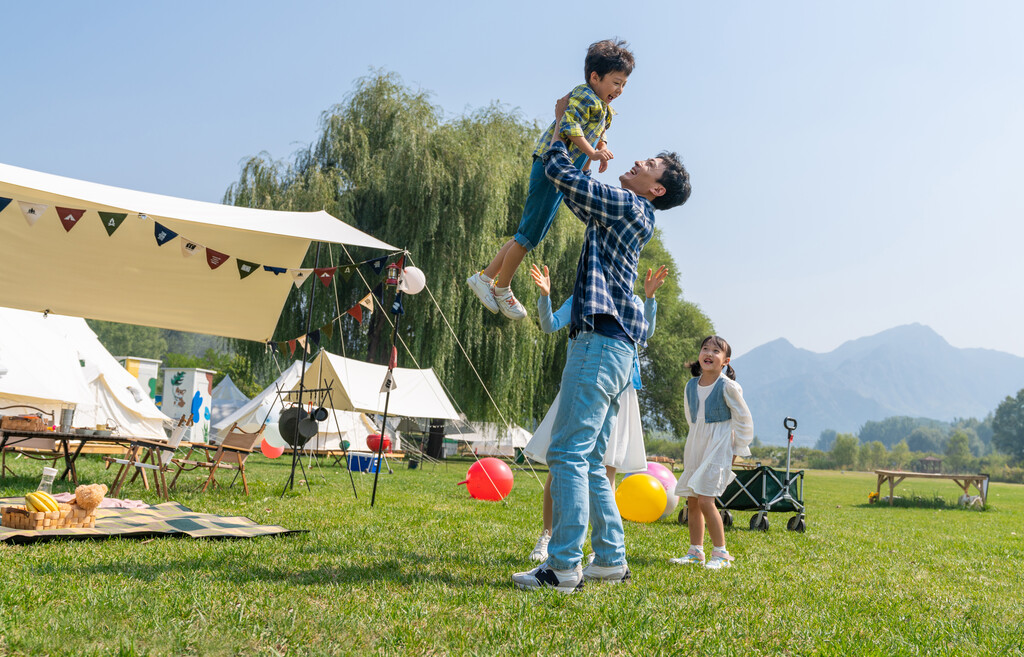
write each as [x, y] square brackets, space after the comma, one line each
[764, 490]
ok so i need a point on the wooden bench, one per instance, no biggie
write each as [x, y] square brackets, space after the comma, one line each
[894, 477]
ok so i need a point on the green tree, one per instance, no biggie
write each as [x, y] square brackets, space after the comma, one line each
[451, 192]
[926, 439]
[129, 339]
[825, 440]
[873, 455]
[958, 452]
[1008, 427]
[899, 456]
[844, 450]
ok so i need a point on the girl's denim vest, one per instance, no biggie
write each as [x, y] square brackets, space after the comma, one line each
[715, 408]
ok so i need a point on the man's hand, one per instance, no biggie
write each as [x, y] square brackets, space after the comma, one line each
[561, 105]
[543, 280]
[654, 280]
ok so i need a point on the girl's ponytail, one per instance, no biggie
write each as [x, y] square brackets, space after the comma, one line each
[695, 369]
[730, 372]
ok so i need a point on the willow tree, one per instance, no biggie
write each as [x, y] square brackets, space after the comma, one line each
[451, 192]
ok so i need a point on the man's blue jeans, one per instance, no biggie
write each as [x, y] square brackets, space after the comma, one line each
[597, 370]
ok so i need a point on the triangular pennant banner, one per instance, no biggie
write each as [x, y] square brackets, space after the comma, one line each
[357, 312]
[299, 276]
[301, 340]
[314, 337]
[32, 211]
[376, 265]
[189, 248]
[389, 382]
[396, 306]
[4, 202]
[275, 270]
[282, 346]
[272, 346]
[69, 217]
[291, 347]
[328, 329]
[346, 272]
[162, 233]
[215, 258]
[379, 293]
[245, 267]
[112, 221]
[401, 263]
[325, 275]
[367, 302]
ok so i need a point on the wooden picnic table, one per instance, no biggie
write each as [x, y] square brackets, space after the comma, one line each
[10, 439]
[964, 481]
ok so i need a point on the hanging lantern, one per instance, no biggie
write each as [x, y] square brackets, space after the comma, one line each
[393, 270]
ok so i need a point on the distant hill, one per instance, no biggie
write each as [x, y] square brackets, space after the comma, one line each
[908, 370]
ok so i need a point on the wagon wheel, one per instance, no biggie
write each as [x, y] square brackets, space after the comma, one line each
[726, 517]
[759, 522]
[683, 516]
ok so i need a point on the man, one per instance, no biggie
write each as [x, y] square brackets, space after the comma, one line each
[607, 325]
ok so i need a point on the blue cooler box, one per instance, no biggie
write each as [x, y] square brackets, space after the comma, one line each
[363, 462]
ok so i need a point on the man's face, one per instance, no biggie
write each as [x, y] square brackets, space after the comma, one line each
[643, 178]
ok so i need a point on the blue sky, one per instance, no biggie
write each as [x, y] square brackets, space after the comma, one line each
[855, 165]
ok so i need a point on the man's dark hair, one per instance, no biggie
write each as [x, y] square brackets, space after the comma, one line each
[606, 56]
[675, 180]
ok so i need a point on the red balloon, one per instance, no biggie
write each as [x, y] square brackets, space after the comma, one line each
[269, 450]
[373, 442]
[488, 479]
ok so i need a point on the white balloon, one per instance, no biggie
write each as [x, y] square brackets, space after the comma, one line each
[412, 280]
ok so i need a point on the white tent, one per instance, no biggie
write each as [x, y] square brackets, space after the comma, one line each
[88, 250]
[267, 406]
[54, 361]
[225, 399]
[356, 386]
[490, 439]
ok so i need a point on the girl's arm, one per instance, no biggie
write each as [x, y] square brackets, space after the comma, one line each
[562, 316]
[742, 421]
[650, 314]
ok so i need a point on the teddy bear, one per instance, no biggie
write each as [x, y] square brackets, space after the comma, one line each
[89, 497]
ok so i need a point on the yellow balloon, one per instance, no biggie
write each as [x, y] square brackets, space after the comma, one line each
[641, 498]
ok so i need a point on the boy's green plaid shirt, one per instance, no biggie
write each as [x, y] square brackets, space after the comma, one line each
[587, 116]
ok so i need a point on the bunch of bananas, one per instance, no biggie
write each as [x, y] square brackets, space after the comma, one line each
[40, 502]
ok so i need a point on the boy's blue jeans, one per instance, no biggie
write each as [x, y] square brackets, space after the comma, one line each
[597, 370]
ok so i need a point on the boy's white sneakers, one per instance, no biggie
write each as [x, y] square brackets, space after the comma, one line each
[540, 550]
[510, 306]
[483, 291]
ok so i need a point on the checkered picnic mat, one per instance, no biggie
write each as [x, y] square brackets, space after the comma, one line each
[164, 519]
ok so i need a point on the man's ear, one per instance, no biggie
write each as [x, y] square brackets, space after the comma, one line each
[657, 189]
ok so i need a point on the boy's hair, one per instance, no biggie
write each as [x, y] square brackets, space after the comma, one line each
[606, 56]
[675, 180]
[695, 368]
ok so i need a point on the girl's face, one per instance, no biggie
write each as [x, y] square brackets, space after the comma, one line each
[713, 358]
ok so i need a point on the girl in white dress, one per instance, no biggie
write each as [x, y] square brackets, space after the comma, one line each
[721, 429]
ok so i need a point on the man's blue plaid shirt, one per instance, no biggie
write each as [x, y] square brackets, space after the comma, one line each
[619, 225]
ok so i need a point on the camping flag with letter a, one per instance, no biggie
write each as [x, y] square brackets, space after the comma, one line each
[162, 233]
[215, 258]
[299, 276]
[325, 275]
[345, 272]
[245, 267]
[69, 217]
[32, 211]
[112, 221]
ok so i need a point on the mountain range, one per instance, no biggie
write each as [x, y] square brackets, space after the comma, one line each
[908, 370]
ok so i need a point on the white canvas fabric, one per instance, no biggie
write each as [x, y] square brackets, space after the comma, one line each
[225, 399]
[490, 439]
[57, 361]
[125, 276]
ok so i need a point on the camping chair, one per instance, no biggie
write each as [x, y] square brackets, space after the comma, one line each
[152, 455]
[35, 447]
[230, 454]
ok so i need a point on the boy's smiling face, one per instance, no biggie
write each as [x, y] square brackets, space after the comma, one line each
[609, 87]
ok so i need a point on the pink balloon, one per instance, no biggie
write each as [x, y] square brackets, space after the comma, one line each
[269, 450]
[663, 474]
[489, 479]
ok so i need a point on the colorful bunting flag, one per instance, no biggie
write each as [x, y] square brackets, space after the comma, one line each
[32, 211]
[325, 275]
[302, 341]
[4, 202]
[389, 382]
[299, 276]
[396, 306]
[345, 272]
[314, 337]
[328, 329]
[245, 267]
[367, 302]
[69, 217]
[291, 347]
[215, 258]
[275, 270]
[401, 263]
[189, 248]
[272, 346]
[376, 265]
[162, 233]
[357, 312]
[112, 221]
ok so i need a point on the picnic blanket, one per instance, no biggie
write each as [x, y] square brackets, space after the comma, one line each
[169, 518]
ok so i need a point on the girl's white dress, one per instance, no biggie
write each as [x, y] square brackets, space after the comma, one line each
[707, 457]
[625, 451]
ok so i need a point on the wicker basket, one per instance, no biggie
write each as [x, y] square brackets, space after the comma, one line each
[68, 517]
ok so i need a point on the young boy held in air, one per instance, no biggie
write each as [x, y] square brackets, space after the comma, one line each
[582, 127]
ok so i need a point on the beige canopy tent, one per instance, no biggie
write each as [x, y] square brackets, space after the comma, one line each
[355, 386]
[89, 250]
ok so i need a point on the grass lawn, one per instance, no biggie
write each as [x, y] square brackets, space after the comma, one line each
[427, 572]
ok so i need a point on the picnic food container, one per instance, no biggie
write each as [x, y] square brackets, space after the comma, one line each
[22, 423]
[67, 517]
